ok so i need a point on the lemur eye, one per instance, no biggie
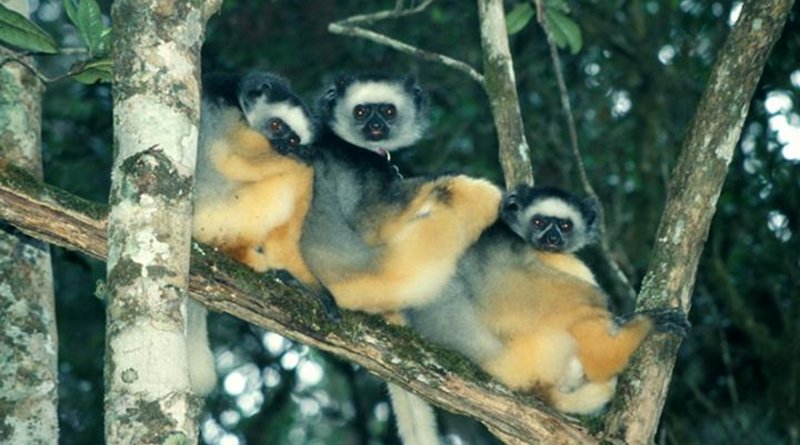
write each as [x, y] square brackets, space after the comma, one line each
[294, 141]
[275, 124]
[565, 226]
[360, 112]
[537, 222]
[389, 111]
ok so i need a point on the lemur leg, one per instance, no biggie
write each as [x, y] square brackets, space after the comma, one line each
[422, 246]
[259, 207]
[604, 347]
[538, 358]
[586, 399]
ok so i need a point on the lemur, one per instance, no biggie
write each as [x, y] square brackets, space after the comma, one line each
[251, 188]
[555, 223]
[382, 113]
[375, 111]
[377, 241]
[533, 326]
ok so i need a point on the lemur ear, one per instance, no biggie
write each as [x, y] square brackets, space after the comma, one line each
[341, 81]
[254, 85]
[591, 208]
[412, 86]
[510, 203]
[329, 96]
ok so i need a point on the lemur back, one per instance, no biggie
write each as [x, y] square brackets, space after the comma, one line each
[252, 194]
[379, 242]
[538, 328]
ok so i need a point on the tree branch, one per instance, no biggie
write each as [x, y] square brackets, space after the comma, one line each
[347, 27]
[695, 187]
[501, 88]
[390, 352]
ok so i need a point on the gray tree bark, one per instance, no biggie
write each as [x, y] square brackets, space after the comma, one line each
[694, 189]
[157, 49]
[28, 337]
[501, 88]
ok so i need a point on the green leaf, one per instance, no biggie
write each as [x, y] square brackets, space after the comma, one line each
[105, 40]
[17, 30]
[564, 31]
[98, 70]
[556, 5]
[518, 18]
[72, 11]
[90, 25]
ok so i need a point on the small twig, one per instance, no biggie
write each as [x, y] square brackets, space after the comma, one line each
[347, 27]
[397, 12]
[355, 31]
[619, 274]
[19, 58]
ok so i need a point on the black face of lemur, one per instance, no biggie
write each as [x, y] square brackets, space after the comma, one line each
[377, 112]
[270, 106]
[376, 119]
[550, 219]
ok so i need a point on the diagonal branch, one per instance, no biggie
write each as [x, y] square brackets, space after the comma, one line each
[694, 189]
[387, 351]
[348, 27]
[501, 88]
[381, 39]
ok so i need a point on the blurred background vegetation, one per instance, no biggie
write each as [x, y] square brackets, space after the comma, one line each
[634, 86]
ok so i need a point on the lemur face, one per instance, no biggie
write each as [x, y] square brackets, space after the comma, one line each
[378, 113]
[550, 220]
[270, 107]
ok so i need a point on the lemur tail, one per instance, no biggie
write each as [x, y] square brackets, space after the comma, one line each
[416, 422]
[587, 399]
[202, 375]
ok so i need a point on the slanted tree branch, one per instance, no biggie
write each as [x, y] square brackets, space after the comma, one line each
[391, 352]
[501, 87]
[694, 189]
[349, 27]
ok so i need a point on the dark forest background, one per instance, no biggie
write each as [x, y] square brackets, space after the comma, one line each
[634, 86]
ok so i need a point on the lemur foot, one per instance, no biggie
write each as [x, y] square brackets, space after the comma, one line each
[329, 306]
[665, 320]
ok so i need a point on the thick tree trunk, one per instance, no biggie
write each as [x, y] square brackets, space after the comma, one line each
[28, 338]
[695, 187]
[156, 115]
[501, 88]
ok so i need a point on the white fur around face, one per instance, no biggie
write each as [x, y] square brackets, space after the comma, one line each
[292, 115]
[556, 208]
[406, 130]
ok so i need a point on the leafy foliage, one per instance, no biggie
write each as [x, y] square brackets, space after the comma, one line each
[17, 30]
[88, 19]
